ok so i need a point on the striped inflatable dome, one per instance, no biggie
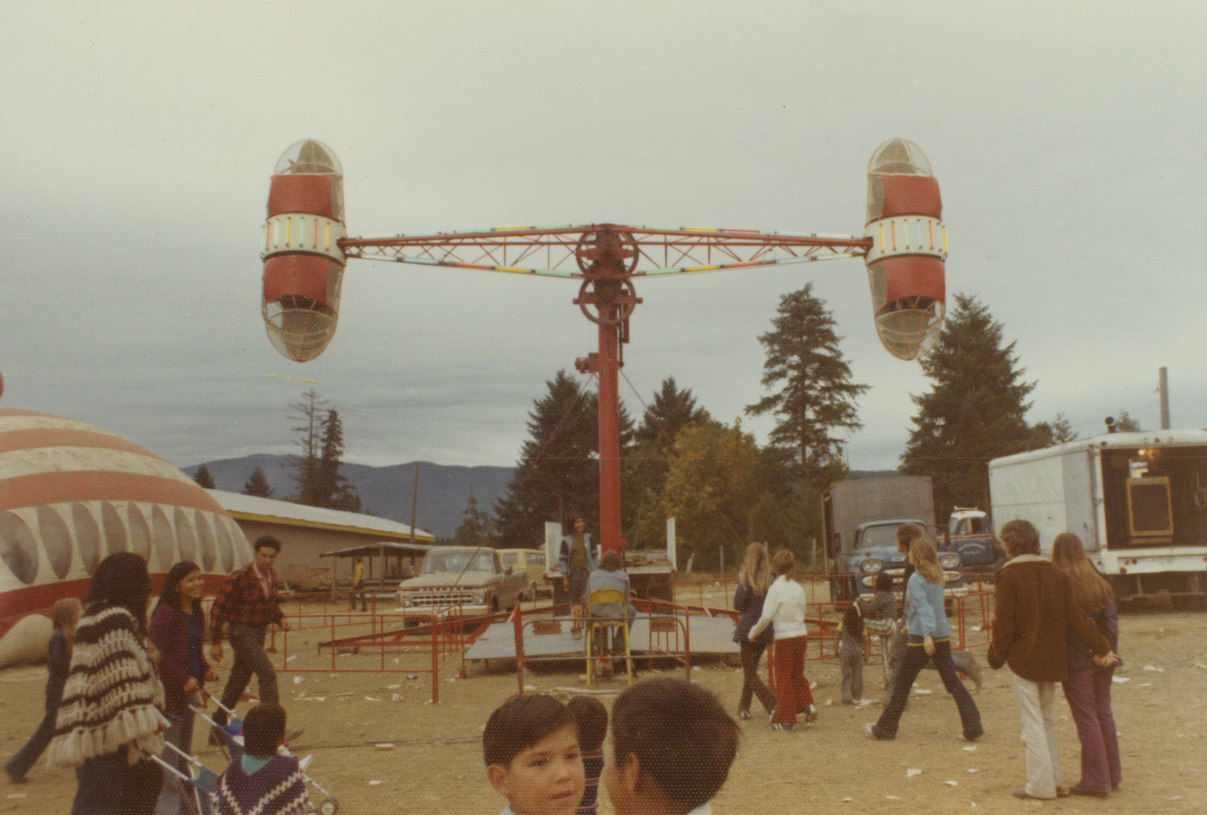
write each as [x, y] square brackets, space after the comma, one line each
[70, 494]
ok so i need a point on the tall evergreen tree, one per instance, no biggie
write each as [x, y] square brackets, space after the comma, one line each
[670, 410]
[474, 529]
[308, 415]
[204, 477]
[257, 484]
[646, 466]
[334, 490]
[975, 410]
[558, 470]
[813, 397]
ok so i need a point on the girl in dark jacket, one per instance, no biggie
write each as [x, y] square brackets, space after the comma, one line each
[177, 631]
[753, 579]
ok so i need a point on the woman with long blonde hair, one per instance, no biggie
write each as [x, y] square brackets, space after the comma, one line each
[754, 578]
[929, 636]
[1088, 688]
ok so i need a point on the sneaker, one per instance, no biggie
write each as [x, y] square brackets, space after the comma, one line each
[973, 736]
[870, 729]
[811, 713]
[293, 734]
[743, 714]
[14, 778]
[783, 727]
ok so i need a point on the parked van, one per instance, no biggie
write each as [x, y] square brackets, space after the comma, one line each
[531, 561]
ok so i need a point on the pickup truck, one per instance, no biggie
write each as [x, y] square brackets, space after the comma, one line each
[471, 579]
[874, 550]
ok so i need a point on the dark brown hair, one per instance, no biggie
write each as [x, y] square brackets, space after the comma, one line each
[681, 735]
[1020, 538]
[519, 723]
[263, 729]
[592, 718]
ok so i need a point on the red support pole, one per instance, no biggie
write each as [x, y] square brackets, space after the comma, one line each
[609, 437]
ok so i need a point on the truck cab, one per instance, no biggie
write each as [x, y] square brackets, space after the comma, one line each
[970, 534]
[872, 551]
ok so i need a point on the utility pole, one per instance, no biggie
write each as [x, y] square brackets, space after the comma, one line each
[1163, 389]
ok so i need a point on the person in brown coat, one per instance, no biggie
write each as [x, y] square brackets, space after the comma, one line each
[1034, 610]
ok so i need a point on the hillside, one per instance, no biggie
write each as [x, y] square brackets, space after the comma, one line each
[385, 491]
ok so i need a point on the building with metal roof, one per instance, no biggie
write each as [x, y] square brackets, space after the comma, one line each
[307, 533]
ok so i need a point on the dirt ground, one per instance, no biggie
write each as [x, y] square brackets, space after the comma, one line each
[380, 746]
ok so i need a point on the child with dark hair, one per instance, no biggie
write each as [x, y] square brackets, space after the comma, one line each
[530, 745]
[260, 780]
[850, 653]
[672, 746]
[592, 718]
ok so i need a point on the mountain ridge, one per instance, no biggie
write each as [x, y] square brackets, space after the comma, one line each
[385, 491]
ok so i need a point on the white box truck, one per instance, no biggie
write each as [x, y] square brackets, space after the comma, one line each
[1138, 501]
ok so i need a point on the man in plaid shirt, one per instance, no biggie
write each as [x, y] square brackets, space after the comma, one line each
[247, 604]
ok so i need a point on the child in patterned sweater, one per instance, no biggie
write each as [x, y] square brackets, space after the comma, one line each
[260, 780]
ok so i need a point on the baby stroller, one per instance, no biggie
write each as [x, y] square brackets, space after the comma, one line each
[195, 785]
[230, 738]
[885, 629]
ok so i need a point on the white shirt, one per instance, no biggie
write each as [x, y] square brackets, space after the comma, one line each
[784, 606]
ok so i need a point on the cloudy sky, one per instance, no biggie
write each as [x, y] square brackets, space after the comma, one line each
[1068, 138]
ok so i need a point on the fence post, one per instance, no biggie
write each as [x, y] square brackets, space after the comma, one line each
[435, 663]
[517, 621]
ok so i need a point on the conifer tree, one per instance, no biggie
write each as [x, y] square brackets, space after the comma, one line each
[308, 414]
[558, 471]
[204, 477]
[257, 484]
[975, 410]
[474, 529]
[335, 491]
[648, 462]
[812, 395]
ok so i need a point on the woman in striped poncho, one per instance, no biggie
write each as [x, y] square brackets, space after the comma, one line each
[109, 722]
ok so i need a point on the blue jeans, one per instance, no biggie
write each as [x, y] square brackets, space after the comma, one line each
[911, 666]
[27, 756]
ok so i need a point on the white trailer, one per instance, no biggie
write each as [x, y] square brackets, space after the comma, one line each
[1138, 501]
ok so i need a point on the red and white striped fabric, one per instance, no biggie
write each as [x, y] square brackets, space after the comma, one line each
[70, 494]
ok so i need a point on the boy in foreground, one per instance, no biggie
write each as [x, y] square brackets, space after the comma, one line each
[530, 745]
[672, 745]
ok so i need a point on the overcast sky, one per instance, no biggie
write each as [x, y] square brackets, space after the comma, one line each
[1068, 139]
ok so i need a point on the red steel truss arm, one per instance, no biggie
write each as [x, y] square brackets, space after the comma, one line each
[606, 258]
[555, 251]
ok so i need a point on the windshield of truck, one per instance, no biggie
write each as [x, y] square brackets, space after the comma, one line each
[444, 562]
[879, 536]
